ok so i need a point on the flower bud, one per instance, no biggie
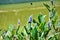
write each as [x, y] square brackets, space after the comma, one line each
[51, 14]
[49, 24]
[52, 1]
[30, 19]
[18, 22]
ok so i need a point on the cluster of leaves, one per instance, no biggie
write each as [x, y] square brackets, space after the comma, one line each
[34, 30]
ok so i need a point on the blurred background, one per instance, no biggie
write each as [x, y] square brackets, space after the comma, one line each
[12, 10]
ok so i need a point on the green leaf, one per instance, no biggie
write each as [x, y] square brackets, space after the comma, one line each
[34, 21]
[20, 36]
[46, 27]
[43, 38]
[10, 27]
[7, 38]
[25, 33]
[35, 33]
[41, 18]
[17, 29]
[53, 37]
[47, 6]
[58, 24]
[54, 12]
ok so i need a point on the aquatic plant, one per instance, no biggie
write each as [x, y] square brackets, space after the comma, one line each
[41, 30]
